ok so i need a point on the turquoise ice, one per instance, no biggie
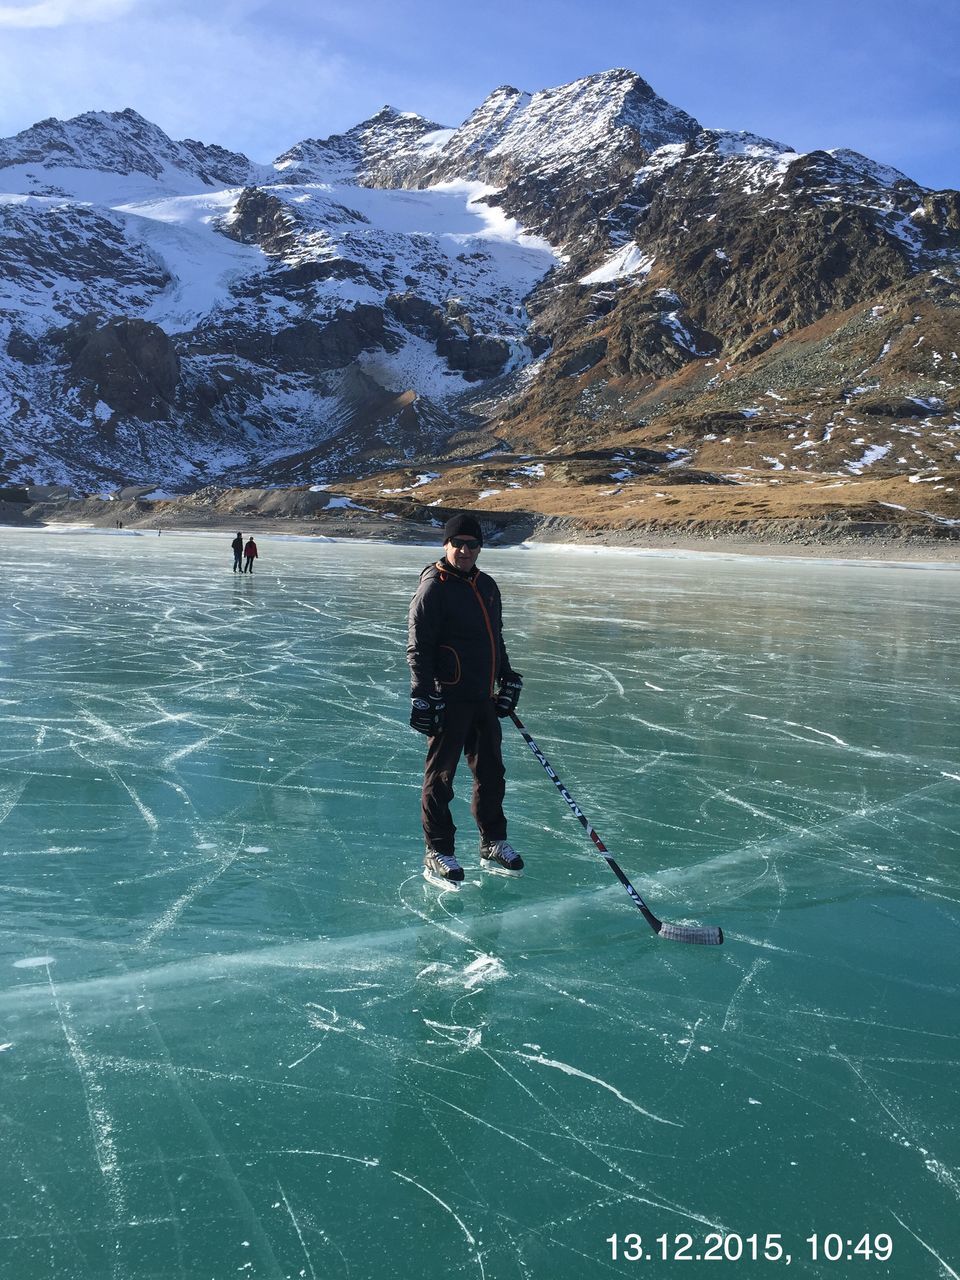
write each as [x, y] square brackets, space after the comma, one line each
[241, 1036]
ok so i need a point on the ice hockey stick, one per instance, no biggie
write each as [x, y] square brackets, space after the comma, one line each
[706, 935]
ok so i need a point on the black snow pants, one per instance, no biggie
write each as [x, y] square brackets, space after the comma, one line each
[471, 729]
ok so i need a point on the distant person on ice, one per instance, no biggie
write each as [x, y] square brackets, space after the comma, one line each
[249, 555]
[237, 545]
[462, 683]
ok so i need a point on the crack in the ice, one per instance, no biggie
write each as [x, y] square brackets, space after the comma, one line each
[296, 1225]
[443, 1204]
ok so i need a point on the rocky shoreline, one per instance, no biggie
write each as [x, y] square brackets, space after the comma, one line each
[893, 541]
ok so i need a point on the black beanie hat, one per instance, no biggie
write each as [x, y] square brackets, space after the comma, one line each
[462, 526]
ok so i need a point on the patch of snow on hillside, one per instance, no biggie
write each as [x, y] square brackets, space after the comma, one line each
[872, 454]
[628, 261]
[664, 158]
[949, 521]
[346, 504]
[754, 162]
[415, 364]
[904, 229]
[434, 141]
[681, 334]
[494, 224]
[740, 143]
[420, 481]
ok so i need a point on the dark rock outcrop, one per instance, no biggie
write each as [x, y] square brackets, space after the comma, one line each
[417, 315]
[130, 365]
[262, 219]
[476, 356]
[21, 346]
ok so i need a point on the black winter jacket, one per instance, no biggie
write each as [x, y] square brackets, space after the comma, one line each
[454, 638]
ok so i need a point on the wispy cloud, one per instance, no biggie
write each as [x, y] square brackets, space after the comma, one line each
[257, 90]
[61, 13]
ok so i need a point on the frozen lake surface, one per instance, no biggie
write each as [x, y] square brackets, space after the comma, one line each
[241, 1036]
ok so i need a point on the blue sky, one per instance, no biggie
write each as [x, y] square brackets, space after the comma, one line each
[882, 77]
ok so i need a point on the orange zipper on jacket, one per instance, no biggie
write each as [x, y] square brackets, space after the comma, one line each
[493, 646]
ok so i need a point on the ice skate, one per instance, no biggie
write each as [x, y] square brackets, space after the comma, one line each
[500, 858]
[442, 869]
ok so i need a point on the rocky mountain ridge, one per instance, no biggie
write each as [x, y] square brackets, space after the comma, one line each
[120, 142]
[582, 268]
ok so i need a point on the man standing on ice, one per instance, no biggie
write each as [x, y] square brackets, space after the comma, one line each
[462, 684]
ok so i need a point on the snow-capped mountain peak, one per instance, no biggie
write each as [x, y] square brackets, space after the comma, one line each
[861, 168]
[586, 124]
[379, 150]
[115, 142]
[485, 128]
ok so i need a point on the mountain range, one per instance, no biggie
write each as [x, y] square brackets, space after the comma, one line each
[579, 301]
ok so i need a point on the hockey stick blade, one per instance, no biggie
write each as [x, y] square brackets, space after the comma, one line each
[710, 935]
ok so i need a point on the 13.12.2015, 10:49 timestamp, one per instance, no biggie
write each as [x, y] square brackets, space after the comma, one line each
[829, 1246]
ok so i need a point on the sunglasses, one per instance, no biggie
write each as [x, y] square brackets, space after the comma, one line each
[465, 544]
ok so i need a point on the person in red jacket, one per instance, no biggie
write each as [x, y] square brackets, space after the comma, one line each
[249, 555]
[462, 684]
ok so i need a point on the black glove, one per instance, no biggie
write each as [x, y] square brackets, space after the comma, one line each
[509, 694]
[426, 714]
